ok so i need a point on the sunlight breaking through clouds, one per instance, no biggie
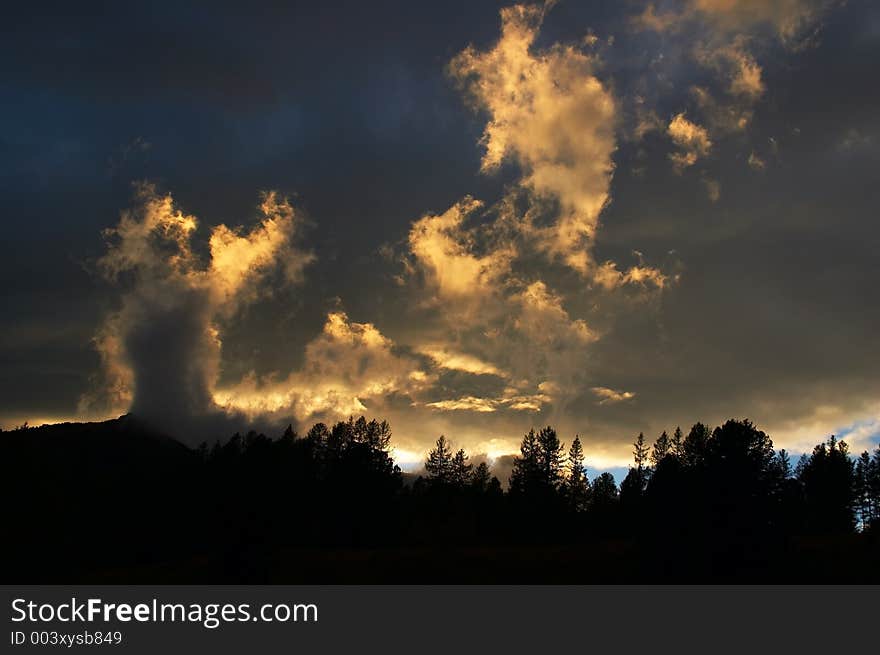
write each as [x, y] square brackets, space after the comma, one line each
[549, 114]
[528, 305]
[345, 366]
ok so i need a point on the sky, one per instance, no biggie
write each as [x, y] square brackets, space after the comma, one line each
[469, 218]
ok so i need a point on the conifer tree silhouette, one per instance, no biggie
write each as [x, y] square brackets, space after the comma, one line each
[440, 462]
[461, 470]
[828, 481]
[661, 449]
[480, 477]
[577, 486]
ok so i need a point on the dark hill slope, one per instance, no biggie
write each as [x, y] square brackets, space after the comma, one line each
[82, 494]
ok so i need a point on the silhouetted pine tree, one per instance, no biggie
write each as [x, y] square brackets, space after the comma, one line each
[873, 484]
[693, 448]
[828, 481]
[494, 488]
[632, 489]
[577, 486]
[782, 462]
[526, 468]
[676, 442]
[536, 483]
[662, 448]
[481, 477]
[864, 503]
[551, 458]
[605, 492]
[440, 462]
[461, 470]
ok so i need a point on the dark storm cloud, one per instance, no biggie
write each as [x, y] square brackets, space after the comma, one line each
[771, 318]
[350, 109]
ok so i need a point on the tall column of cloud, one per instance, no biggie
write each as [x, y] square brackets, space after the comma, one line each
[161, 349]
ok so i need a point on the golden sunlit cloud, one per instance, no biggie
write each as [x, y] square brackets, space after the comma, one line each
[609, 277]
[237, 259]
[457, 361]
[444, 251]
[517, 403]
[607, 395]
[469, 403]
[544, 320]
[346, 366]
[551, 114]
[160, 351]
[692, 140]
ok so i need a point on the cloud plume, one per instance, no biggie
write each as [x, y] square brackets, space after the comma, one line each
[161, 349]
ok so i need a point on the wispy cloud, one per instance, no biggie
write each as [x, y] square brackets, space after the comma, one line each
[607, 395]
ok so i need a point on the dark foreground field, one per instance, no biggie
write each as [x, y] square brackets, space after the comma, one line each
[848, 560]
[117, 503]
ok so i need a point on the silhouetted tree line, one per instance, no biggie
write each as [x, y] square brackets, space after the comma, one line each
[108, 499]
